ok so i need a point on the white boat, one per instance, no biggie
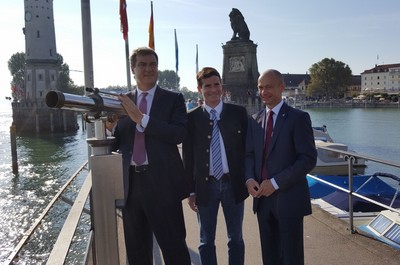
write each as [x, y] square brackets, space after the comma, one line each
[385, 227]
[370, 217]
[329, 162]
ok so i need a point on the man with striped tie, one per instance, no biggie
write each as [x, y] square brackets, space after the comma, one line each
[213, 155]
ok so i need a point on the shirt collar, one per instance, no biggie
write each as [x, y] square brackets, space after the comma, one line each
[275, 109]
[217, 108]
[149, 92]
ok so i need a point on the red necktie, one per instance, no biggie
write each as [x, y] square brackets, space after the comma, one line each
[139, 149]
[268, 134]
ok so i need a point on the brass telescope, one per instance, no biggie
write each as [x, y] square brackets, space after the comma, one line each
[93, 104]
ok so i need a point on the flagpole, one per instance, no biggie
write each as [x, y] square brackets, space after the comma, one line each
[177, 60]
[124, 28]
[128, 69]
[197, 59]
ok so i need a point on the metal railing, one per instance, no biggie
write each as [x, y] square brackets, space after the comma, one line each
[104, 188]
[351, 157]
[103, 185]
[27, 235]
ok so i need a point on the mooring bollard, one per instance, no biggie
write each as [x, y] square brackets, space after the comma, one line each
[13, 133]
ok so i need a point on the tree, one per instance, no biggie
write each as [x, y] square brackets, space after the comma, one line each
[65, 83]
[189, 94]
[16, 65]
[167, 79]
[329, 79]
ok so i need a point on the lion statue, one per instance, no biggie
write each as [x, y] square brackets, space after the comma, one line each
[239, 26]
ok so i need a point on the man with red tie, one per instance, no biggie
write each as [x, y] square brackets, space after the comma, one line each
[280, 151]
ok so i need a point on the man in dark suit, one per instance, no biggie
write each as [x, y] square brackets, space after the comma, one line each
[153, 171]
[214, 162]
[276, 178]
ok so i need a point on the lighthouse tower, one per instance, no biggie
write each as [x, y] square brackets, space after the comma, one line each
[41, 70]
[30, 114]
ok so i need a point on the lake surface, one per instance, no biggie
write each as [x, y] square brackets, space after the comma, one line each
[372, 132]
[47, 161]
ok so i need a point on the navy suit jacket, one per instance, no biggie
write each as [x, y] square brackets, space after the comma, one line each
[165, 130]
[291, 156]
[196, 149]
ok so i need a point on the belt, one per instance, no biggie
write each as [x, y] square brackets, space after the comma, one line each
[139, 169]
[224, 177]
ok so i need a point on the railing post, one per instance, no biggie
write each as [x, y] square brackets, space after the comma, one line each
[107, 187]
[350, 160]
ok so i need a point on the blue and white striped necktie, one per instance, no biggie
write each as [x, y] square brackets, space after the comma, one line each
[216, 147]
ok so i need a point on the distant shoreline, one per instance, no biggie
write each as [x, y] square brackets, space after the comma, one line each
[305, 105]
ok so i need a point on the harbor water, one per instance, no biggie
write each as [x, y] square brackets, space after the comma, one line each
[47, 161]
[372, 132]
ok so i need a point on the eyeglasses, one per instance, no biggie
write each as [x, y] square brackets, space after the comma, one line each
[143, 66]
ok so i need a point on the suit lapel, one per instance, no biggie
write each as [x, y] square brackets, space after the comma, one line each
[157, 100]
[260, 118]
[280, 120]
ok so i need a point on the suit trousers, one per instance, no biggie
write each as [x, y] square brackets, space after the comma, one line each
[282, 240]
[221, 192]
[147, 213]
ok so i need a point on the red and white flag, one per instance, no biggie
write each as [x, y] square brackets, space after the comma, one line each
[124, 18]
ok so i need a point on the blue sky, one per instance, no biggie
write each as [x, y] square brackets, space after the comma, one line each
[291, 35]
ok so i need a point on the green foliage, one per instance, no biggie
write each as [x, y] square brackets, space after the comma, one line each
[188, 94]
[329, 79]
[16, 65]
[167, 79]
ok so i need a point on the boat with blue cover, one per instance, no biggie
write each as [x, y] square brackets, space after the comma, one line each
[371, 218]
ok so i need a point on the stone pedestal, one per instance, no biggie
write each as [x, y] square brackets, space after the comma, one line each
[32, 117]
[240, 71]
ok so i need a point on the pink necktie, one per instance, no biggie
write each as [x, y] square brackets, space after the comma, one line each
[139, 149]
[268, 134]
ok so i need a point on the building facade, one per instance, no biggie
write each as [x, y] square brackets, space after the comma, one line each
[381, 78]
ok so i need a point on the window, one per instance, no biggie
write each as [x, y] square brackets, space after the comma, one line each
[38, 34]
[380, 223]
[394, 233]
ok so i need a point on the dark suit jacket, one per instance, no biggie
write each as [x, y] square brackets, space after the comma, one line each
[291, 155]
[196, 149]
[165, 130]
